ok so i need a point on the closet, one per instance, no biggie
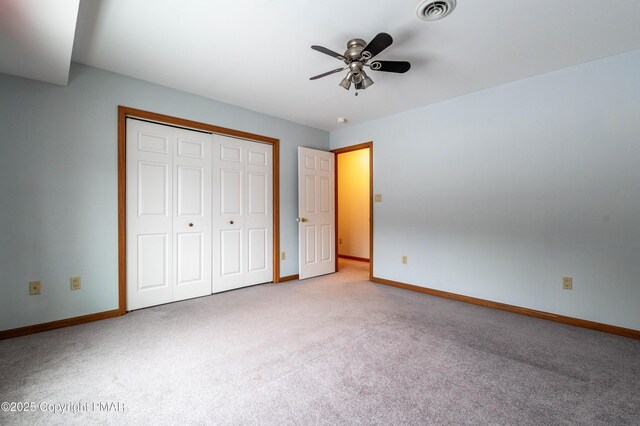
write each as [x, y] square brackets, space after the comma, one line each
[199, 213]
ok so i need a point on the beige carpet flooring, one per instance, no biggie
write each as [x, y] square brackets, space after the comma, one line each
[330, 350]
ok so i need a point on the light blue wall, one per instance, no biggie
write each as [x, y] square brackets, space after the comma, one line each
[58, 185]
[500, 193]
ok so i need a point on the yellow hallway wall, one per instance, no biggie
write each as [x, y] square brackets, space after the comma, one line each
[353, 203]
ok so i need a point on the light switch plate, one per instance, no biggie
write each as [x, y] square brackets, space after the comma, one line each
[567, 283]
[378, 198]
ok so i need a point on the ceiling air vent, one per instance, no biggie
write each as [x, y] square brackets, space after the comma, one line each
[432, 10]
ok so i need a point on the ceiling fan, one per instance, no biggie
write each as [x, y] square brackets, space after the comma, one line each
[358, 55]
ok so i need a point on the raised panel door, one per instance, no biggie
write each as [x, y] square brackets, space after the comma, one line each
[192, 214]
[316, 212]
[149, 214]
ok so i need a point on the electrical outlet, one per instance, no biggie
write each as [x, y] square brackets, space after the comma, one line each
[75, 283]
[567, 283]
[34, 288]
[377, 198]
[404, 260]
[283, 256]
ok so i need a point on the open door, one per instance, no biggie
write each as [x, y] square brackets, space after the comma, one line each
[316, 212]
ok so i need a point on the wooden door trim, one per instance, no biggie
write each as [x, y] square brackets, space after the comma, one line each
[126, 112]
[351, 148]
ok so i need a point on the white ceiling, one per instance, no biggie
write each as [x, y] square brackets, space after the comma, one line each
[257, 54]
[36, 38]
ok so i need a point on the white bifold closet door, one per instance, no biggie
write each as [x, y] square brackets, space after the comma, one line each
[242, 213]
[169, 178]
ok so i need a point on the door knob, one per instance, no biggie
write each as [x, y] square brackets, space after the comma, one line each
[191, 225]
[231, 222]
[302, 219]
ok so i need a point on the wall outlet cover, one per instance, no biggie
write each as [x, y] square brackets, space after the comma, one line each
[567, 283]
[75, 283]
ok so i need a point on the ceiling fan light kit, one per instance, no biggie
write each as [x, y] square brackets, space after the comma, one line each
[358, 55]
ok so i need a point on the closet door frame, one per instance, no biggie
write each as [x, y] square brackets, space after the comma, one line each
[125, 112]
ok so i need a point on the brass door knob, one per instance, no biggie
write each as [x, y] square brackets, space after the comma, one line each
[302, 219]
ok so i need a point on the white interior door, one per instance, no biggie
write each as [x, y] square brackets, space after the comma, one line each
[316, 212]
[168, 214]
[259, 217]
[228, 213]
[192, 214]
[149, 214]
[242, 213]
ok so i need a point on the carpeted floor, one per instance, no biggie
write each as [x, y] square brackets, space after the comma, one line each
[331, 350]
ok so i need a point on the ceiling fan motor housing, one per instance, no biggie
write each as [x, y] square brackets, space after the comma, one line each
[354, 49]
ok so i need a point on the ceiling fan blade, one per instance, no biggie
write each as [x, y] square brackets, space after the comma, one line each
[390, 66]
[377, 45]
[327, 73]
[328, 52]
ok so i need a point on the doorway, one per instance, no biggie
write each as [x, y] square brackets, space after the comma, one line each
[354, 203]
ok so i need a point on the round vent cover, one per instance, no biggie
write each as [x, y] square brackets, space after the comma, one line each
[432, 10]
